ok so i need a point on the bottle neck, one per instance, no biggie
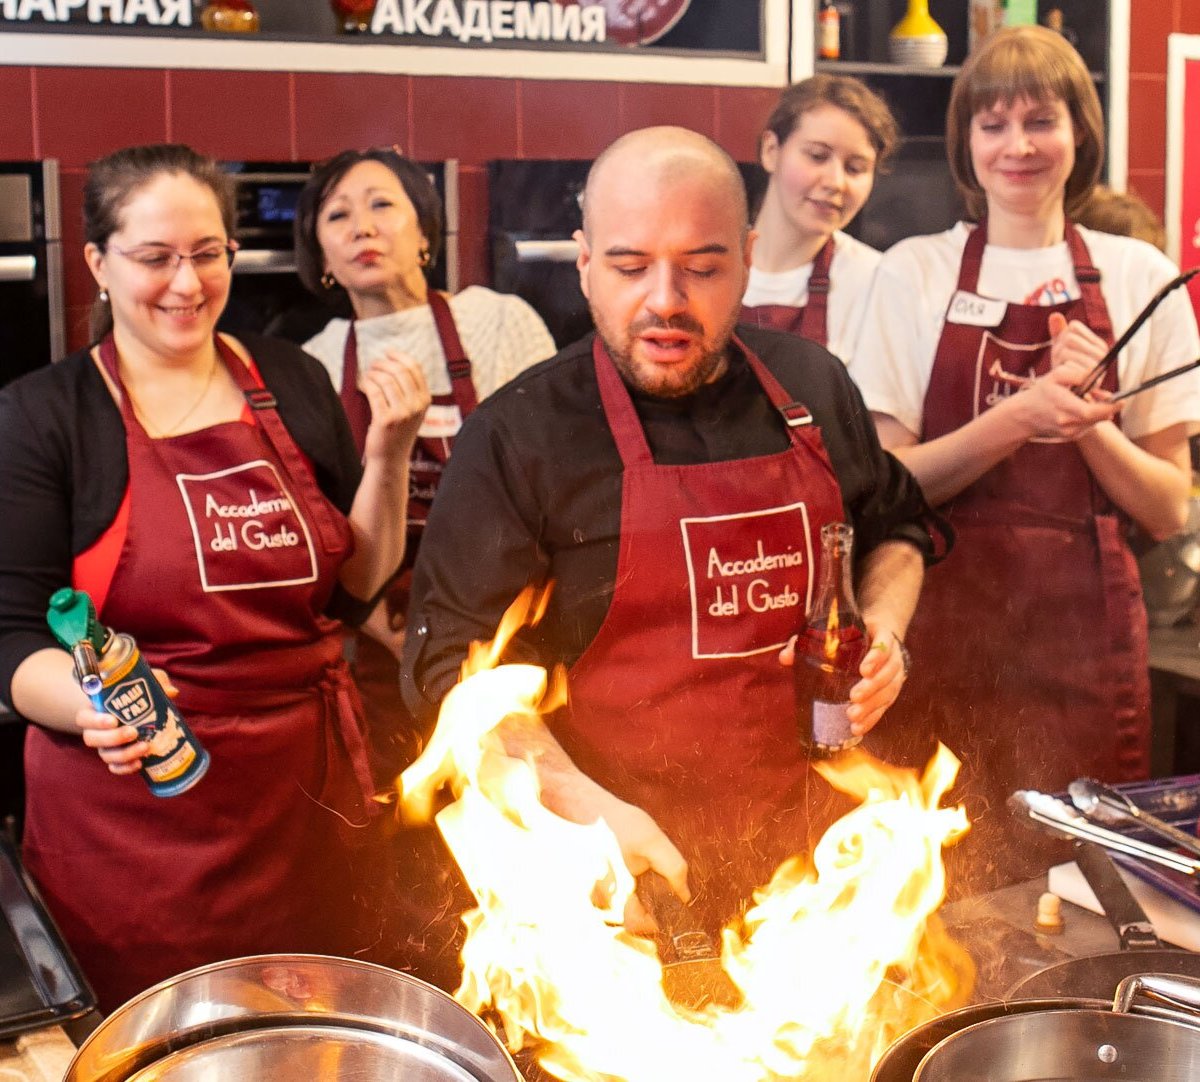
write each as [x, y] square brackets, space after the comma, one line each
[837, 579]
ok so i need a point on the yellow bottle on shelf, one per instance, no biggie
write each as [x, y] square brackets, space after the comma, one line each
[917, 40]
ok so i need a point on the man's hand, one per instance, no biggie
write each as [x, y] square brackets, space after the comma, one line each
[882, 671]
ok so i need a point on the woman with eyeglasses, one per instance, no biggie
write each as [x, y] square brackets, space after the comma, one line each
[206, 493]
[1030, 641]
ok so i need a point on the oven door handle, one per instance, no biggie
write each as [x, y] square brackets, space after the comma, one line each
[264, 261]
[18, 268]
[547, 251]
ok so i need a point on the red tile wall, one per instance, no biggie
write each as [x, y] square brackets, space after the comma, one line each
[304, 116]
[1150, 23]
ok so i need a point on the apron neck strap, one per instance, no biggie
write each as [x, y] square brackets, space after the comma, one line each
[1086, 274]
[626, 427]
[814, 324]
[354, 402]
[458, 364]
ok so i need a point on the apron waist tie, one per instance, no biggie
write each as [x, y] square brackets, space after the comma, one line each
[347, 789]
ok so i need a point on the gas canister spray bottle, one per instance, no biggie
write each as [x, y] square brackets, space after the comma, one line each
[115, 677]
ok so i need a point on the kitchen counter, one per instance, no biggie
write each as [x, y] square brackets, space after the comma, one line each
[998, 931]
[42, 1055]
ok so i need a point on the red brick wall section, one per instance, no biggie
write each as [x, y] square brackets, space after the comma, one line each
[307, 116]
[1151, 21]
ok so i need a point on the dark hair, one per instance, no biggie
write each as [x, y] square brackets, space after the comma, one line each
[1025, 62]
[310, 260]
[114, 180]
[844, 92]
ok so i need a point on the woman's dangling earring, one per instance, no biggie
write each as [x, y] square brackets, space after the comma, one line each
[104, 296]
[423, 256]
[328, 280]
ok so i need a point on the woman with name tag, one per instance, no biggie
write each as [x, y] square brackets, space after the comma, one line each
[1032, 636]
[206, 493]
[368, 225]
[823, 144]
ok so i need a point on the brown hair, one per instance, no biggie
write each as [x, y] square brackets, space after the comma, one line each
[310, 260]
[844, 92]
[114, 180]
[1025, 62]
[1122, 213]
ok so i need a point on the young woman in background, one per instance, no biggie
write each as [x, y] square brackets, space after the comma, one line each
[823, 145]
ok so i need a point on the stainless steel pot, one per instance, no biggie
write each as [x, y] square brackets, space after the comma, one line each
[292, 1016]
[1079, 1045]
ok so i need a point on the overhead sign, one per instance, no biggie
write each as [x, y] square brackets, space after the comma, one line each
[710, 43]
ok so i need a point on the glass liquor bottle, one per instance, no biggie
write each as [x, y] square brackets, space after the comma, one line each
[829, 650]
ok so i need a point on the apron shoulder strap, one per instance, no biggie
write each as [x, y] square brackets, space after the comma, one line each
[264, 405]
[458, 364]
[814, 324]
[354, 402]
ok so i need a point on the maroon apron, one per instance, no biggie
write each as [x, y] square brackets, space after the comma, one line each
[1029, 642]
[376, 669]
[679, 705]
[230, 557]
[808, 322]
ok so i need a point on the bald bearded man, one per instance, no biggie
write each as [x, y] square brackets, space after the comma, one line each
[671, 478]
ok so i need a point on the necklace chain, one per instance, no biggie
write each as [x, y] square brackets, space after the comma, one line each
[159, 433]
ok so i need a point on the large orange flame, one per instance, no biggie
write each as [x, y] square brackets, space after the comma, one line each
[837, 956]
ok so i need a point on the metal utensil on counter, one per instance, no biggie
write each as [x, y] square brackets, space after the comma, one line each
[1056, 815]
[1101, 803]
[1102, 365]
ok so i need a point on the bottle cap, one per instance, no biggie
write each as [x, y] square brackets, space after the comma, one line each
[72, 619]
[1049, 913]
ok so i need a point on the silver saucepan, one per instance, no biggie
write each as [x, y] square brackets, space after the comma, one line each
[292, 1016]
[1084, 1045]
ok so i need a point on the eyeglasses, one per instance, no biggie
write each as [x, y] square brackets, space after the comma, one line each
[164, 262]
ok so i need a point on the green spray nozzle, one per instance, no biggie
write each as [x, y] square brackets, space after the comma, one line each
[72, 619]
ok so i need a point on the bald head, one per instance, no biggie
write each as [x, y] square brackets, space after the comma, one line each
[663, 156]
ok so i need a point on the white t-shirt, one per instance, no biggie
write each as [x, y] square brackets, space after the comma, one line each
[913, 285]
[501, 334]
[850, 276]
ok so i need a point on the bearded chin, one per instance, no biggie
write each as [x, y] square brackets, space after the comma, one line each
[666, 382]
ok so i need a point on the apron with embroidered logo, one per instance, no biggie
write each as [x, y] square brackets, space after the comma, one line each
[809, 322]
[1029, 641]
[230, 556]
[679, 705]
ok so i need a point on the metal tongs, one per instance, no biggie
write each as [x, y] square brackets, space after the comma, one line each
[1105, 362]
[1103, 804]
[1060, 818]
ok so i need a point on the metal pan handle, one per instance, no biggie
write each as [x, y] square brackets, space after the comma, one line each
[1181, 995]
[1121, 908]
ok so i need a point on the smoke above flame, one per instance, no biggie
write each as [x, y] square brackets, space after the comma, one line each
[839, 954]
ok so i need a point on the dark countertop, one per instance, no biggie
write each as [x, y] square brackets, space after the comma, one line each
[998, 931]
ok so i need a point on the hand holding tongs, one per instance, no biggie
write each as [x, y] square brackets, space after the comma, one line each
[1101, 803]
[1102, 365]
[1061, 818]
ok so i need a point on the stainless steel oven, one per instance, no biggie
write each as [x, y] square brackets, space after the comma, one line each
[267, 295]
[32, 318]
